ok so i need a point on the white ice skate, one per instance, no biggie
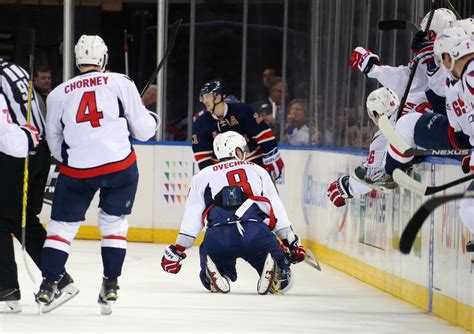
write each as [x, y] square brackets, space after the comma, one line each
[107, 295]
[219, 283]
[266, 277]
[66, 294]
[10, 300]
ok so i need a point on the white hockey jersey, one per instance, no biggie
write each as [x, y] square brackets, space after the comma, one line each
[375, 162]
[254, 181]
[466, 112]
[13, 140]
[90, 120]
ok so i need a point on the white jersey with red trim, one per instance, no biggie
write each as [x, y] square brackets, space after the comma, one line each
[467, 111]
[90, 120]
[13, 140]
[254, 181]
[375, 162]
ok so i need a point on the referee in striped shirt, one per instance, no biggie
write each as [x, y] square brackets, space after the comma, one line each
[14, 85]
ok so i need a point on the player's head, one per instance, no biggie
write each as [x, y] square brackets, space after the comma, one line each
[230, 144]
[442, 18]
[382, 101]
[91, 50]
[212, 94]
[453, 44]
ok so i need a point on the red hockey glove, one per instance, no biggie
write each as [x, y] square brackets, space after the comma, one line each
[33, 136]
[273, 163]
[338, 191]
[363, 59]
[170, 262]
[294, 251]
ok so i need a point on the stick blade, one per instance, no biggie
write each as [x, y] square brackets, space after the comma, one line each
[385, 25]
[408, 182]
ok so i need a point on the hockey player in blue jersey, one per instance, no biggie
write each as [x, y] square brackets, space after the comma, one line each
[238, 117]
[238, 202]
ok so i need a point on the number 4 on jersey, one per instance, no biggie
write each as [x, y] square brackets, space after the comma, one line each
[87, 111]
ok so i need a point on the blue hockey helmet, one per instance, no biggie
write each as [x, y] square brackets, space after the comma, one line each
[214, 87]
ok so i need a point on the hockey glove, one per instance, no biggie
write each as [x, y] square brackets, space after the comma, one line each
[170, 262]
[294, 251]
[423, 49]
[273, 163]
[363, 59]
[338, 191]
[33, 136]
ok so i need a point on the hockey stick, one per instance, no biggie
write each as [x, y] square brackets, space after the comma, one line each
[311, 260]
[416, 222]
[385, 25]
[397, 143]
[174, 29]
[125, 50]
[414, 66]
[26, 172]
[408, 182]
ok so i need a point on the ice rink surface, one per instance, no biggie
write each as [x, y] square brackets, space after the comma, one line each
[152, 301]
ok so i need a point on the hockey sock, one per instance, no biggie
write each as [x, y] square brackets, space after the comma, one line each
[112, 259]
[54, 261]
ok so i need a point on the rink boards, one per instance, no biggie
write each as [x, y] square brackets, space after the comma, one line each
[360, 239]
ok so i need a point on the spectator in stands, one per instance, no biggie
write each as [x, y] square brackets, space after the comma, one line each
[42, 80]
[297, 130]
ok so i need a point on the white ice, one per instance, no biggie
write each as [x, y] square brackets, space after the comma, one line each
[152, 301]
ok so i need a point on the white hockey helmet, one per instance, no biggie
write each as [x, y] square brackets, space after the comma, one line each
[91, 50]
[227, 143]
[456, 42]
[382, 101]
[442, 18]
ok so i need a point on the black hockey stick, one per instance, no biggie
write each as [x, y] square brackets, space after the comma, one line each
[423, 153]
[408, 182]
[414, 66]
[386, 25]
[174, 29]
[416, 222]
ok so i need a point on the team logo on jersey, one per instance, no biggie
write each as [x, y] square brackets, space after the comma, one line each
[233, 121]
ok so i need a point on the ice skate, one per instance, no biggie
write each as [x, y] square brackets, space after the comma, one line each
[10, 300]
[219, 283]
[47, 293]
[66, 290]
[108, 295]
[376, 179]
[267, 276]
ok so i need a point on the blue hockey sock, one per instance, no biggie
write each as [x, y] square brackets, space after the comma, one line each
[112, 259]
[53, 263]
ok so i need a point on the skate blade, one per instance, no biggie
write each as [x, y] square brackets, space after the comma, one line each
[10, 306]
[67, 293]
[219, 283]
[106, 308]
[265, 282]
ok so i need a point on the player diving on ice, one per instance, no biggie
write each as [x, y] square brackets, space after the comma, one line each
[238, 203]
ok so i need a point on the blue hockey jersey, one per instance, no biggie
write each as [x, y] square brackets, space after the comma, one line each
[238, 117]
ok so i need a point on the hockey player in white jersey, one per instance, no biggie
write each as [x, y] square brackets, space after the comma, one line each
[238, 203]
[15, 140]
[89, 124]
[379, 102]
[455, 50]
[425, 81]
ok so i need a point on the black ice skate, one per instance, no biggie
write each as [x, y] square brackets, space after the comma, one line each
[47, 293]
[218, 282]
[10, 300]
[108, 295]
[267, 276]
[66, 291]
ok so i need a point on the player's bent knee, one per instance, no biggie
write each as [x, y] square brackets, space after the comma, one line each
[466, 211]
[113, 230]
[59, 235]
